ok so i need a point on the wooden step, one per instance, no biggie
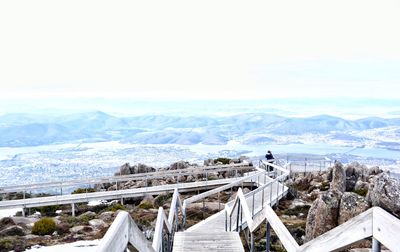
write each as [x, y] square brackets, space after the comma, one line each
[209, 241]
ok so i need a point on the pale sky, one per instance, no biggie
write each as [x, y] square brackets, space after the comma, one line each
[199, 49]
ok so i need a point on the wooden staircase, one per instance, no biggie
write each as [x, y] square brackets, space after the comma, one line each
[207, 241]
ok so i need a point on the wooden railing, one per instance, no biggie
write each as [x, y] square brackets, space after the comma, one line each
[251, 218]
[238, 182]
[124, 231]
[116, 179]
[383, 227]
[165, 228]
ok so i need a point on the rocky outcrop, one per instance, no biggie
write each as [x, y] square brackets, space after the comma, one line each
[323, 214]
[81, 229]
[147, 202]
[351, 205]
[97, 223]
[12, 231]
[361, 185]
[385, 192]
[6, 222]
[107, 216]
[353, 172]
[338, 178]
[126, 169]
[179, 165]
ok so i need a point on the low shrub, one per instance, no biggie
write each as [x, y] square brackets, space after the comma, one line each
[44, 226]
[361, 192]
[83, 190]
[161, 199]
[115, 207]
[222, 160]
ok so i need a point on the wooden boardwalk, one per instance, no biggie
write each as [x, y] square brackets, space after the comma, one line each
[211, 234]
[217, 221]
[110, 195]
[207, 241]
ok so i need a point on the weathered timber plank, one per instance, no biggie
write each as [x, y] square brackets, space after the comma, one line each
[354, 230]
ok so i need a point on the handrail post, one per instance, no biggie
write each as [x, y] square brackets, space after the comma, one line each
[376, 245]
[238, 216]
[226, 221]
[252, 242]
[252, 210]
[270, 194]
[277, 192]
[262, 198]
[268, 244]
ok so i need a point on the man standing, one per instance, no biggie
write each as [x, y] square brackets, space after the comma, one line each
[270, 159]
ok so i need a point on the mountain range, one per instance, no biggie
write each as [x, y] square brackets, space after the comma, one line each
[17, 130]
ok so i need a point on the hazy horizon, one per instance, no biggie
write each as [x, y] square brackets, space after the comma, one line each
[344, 108]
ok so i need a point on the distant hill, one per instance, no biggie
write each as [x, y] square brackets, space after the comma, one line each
[250, 128]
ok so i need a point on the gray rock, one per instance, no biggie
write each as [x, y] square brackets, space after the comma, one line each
[12, 231]
[351, 205]
[353, 172]
[360, 185]
[147, 202]
[338, 178]
[88, 214]
[142, 168]
[124, 170]
[179, 165]
[385, 192]
[190, 178]
[374, 170]
[107, 216]
[81, 229]
[6, 222]
[323, 214]
[97, 223]
[209, 162]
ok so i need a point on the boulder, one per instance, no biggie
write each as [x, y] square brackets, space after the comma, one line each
[124, 170]
[12, 243]
[323, 214]
[179, 165]
[142, 168]
[209, 162]
[353, 172]
[385, 192]
[181, 179]
[12, 231]
[97, 224]
[338, 178]
[170, 180]
[360, 185]
[374, 171]
[81, 229]
[87, 215]
[351, 205]
[190, 178]
[107, 216]
[63, 228]
[6, 222]
[147, 202]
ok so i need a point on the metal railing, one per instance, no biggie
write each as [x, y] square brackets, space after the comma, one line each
[249, 218]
